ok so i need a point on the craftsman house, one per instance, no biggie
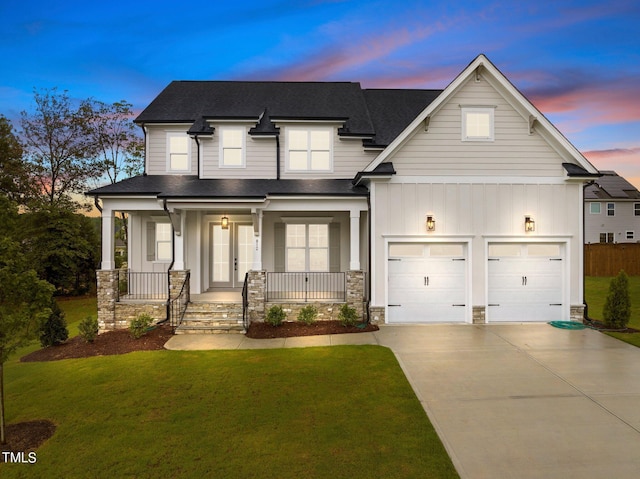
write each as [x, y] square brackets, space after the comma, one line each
[456, 205]
[612, 210]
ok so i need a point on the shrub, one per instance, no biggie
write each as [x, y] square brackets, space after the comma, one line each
[617, 306]
[54, 329]
[138, 326]
[275, 316]
[308, 314]
[88, 328]
[348, 316]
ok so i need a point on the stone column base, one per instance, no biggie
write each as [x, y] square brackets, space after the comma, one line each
[576, 312]
[479, 315]
[376, 314]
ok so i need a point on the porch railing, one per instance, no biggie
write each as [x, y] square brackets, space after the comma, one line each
[136, 285]
[306, 286]
[245, 302]
[178, 305]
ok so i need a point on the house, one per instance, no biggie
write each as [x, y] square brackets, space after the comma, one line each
[612, 210]
[456, 205]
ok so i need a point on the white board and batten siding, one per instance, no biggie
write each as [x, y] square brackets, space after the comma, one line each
[479, 193]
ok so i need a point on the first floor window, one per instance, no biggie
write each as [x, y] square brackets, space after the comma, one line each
[630, 235]
[606, 237]
[594, 208]
[163, 242]
[307, 247]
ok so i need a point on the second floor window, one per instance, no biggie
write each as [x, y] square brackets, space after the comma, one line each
[636, 209]
[232, 147]
[611, 209]
[309, 149]
[178, 152]
[595, 208]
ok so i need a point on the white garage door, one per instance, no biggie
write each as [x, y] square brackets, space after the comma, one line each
[427, 283]
[525, 282]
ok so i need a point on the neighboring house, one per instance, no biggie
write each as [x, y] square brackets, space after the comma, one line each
[455, 205]
[612, 210]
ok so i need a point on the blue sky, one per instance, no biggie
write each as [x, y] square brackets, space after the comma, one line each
[577, 61]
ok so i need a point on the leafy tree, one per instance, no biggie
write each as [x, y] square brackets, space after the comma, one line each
[617, 305]
[64, 248]
[24, 305]
[15, 181]
[60, 155]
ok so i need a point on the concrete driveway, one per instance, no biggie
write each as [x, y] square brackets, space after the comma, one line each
[526, 400]
[509, 400]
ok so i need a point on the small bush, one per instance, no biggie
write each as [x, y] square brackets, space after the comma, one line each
[348, 316]
[88, 328]
[617, 306]
[308, 314]
[275, 316]
[138, 326]
[54, 329]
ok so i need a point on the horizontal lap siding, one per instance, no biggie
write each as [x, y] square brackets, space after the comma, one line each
[260, 159]
[440, 151]
[157, 151]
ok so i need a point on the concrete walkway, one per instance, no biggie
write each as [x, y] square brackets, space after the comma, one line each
[511, 400]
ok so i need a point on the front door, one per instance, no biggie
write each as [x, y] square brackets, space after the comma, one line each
[231, 254]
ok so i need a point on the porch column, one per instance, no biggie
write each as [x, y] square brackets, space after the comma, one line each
[257, 240]
[178, 241]
[108, 262]
[354, 235]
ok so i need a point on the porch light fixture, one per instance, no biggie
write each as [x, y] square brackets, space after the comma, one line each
[225, 223]
[529, 224]
[431, 223]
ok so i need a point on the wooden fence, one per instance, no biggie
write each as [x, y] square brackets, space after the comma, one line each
[607, 259]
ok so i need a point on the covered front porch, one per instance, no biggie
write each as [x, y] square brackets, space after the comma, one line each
[231, 260]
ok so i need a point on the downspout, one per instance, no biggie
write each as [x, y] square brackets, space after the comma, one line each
[584, 237]
[97, 205]
[195, 137]
[369, 251]
[173, 255]
[277, 156]
[144, 133]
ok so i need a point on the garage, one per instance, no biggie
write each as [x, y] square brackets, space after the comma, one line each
[427, 282]
[525, 282]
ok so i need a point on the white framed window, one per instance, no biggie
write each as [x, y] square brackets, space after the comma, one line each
[232, 147]
[594, 208]
[636, 209]
[611, 209]
[309, 149]
[477, 124]
[163, 242]
[307, 247]
[630, 235]
[606, 237]
[178, 152]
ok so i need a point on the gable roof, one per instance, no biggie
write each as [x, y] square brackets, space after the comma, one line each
[482, 65]
[611, 186]
[376, 115]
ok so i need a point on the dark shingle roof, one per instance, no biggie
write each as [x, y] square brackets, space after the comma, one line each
[177, 186]
[378, 115]
[611, 186]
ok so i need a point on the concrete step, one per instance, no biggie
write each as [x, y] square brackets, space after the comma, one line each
[210, 329]
[201, 322]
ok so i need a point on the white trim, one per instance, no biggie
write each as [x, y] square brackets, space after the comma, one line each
[484, 180]
[307, 219]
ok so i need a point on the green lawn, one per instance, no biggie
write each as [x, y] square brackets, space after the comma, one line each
[343, 411]
[596, 294]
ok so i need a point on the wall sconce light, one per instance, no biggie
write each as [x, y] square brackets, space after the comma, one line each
[225, 223]
[431, 223]
[529, 224]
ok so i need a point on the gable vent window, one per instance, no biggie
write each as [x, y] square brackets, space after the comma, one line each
[477, 124]
[232, 148]
[178, 152]
[309, 149]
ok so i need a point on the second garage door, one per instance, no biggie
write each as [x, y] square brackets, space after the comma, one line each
[525, 282]
[426, 283]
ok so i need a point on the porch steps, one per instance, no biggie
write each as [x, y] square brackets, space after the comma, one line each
[212, 318]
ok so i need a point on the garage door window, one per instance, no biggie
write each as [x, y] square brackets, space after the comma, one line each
[505, 250]
[408, 250]
[543, 250]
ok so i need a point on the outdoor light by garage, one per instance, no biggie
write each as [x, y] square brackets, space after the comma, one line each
[529, 224]
[431, 223]
[225, 223]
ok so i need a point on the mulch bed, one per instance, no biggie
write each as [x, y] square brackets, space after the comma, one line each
[26, 436]
[600, 326]
[290, 329]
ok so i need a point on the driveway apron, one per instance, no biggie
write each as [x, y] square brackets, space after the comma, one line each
[526, 400]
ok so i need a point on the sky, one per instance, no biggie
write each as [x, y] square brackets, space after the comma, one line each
[578, 62]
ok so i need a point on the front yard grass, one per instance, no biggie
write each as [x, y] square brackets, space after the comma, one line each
[343, 411]
[597, 289]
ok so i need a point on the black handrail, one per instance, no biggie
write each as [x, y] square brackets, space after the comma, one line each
[306, 286]
[245, 303]
[133, 285]
[178, 305]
